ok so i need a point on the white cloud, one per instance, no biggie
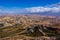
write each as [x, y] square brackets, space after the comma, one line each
[55, 9]
[43, 9]
[37, 9]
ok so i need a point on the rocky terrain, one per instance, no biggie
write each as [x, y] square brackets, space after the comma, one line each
[29, 27]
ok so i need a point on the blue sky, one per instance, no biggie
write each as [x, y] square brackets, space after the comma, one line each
[29, 6]
[26, 3]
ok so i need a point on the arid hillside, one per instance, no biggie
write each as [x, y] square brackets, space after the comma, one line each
[29, 26]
